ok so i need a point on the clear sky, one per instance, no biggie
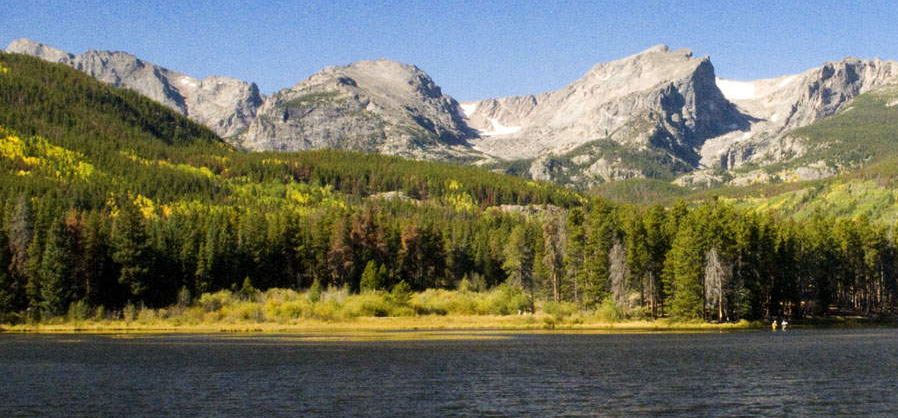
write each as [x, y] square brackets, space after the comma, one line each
[472, 49]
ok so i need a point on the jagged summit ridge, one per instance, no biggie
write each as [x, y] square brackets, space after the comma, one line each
[660, 99]
[37, 49]
[655, 84]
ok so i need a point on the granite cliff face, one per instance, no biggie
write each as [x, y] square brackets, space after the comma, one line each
[658, 104]
[377, 106]
[663, 113]
[223, 104]
[660, 98]
[779, 105]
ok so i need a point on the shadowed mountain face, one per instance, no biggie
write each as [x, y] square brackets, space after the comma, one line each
[660, 114]
[779, 106]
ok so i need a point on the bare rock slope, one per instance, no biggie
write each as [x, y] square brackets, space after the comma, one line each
[378, 106]
[661, 102]
[782, 104]
[777, 107]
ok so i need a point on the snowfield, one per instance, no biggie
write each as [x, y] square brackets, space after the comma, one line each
[736, 90]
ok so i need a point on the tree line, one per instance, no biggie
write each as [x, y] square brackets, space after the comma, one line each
[707, 261]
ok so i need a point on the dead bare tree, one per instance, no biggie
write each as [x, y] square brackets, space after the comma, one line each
[619, 274]
[717, 278]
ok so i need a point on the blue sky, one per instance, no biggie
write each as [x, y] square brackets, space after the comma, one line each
[473, 49]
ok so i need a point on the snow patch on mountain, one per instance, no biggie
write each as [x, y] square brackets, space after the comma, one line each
[499, 129]
[736, 90]
[468, 108]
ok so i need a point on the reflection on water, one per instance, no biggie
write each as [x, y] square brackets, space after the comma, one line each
[801, 372]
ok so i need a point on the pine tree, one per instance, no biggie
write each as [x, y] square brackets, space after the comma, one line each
[216, 265]
[619, 276]
[131, 249]
[657, 245]
[717, 284]
[413, 253]
[370, 280]
[21, 236]
[383, 277]
[97, 285]
[32, 274]
[519, 258]
[601, 231]
[55, 272]
[683, 272]
[367, 237]
[575, 253]
[7, 285]
[340, 258]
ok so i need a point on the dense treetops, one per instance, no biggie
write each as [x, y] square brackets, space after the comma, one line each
[108, 199]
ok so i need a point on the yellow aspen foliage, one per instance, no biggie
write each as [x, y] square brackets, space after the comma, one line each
[460, 201]
[11, 146]
[298, 197]
[453, 185]
[146, 206]
[37, 153]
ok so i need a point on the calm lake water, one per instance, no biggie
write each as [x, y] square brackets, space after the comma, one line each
[801, 372]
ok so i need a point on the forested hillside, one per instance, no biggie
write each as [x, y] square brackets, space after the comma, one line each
[109, 199]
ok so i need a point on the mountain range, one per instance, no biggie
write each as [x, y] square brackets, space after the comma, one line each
[661, 114]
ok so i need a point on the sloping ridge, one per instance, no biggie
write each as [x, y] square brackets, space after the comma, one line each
[226, 105]
[81, 113]
[659, 113]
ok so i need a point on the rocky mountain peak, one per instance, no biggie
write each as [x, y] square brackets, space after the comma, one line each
[388, 80]
[37, 49]
[660, 101]
[642, 71]
[655, 48]
[378, 105]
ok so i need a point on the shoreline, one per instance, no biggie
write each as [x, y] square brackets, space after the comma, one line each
[430, 324]
[422, 327]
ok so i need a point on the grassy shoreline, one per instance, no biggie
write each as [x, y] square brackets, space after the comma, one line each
[429, 324]
[425, 323]
[338, 312]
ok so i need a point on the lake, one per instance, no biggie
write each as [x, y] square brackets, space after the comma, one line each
[799, 372]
